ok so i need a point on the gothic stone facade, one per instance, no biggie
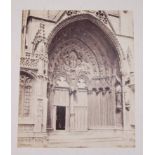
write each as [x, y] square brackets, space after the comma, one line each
[76, 79]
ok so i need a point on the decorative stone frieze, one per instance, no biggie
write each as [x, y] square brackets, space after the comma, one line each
[29, 63]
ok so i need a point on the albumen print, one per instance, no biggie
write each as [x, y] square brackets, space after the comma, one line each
[77, 87]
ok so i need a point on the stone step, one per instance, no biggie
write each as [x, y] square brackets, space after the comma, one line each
[102, 142]
[92, 138]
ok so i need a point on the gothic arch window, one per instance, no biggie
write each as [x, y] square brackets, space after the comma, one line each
[25, 96]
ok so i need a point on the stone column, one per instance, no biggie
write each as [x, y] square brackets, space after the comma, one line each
[131, 91]
[50, 104]
[41, 89]
[45, 101]
[132, 109]
[41, 106]
[54, 117]
[123, 102]
[38, 107]
[127, 102]
[72, 112]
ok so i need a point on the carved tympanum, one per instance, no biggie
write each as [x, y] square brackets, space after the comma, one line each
[73, 62]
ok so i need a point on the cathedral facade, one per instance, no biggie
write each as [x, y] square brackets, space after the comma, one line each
[76, 84]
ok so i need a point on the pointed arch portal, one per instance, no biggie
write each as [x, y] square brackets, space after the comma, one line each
[84, 74]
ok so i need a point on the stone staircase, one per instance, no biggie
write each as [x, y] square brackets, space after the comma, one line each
[91, 138]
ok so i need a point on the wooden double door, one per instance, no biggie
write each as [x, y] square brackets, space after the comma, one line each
[69, 112]
[83, 111]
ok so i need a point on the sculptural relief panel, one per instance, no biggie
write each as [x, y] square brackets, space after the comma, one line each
[74, 59]
[87, 44]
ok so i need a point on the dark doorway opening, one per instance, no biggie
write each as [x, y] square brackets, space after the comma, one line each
[60, 118]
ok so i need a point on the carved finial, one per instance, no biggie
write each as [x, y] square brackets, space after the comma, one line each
[102, 16]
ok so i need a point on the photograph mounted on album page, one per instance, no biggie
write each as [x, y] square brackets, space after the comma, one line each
[79, 79]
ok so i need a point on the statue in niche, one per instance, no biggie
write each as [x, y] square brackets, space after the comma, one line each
[81, 83]
[70, 60]
[66, 61]
[73, 59]
[118, 97]
[127, 96]
[61, 82]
